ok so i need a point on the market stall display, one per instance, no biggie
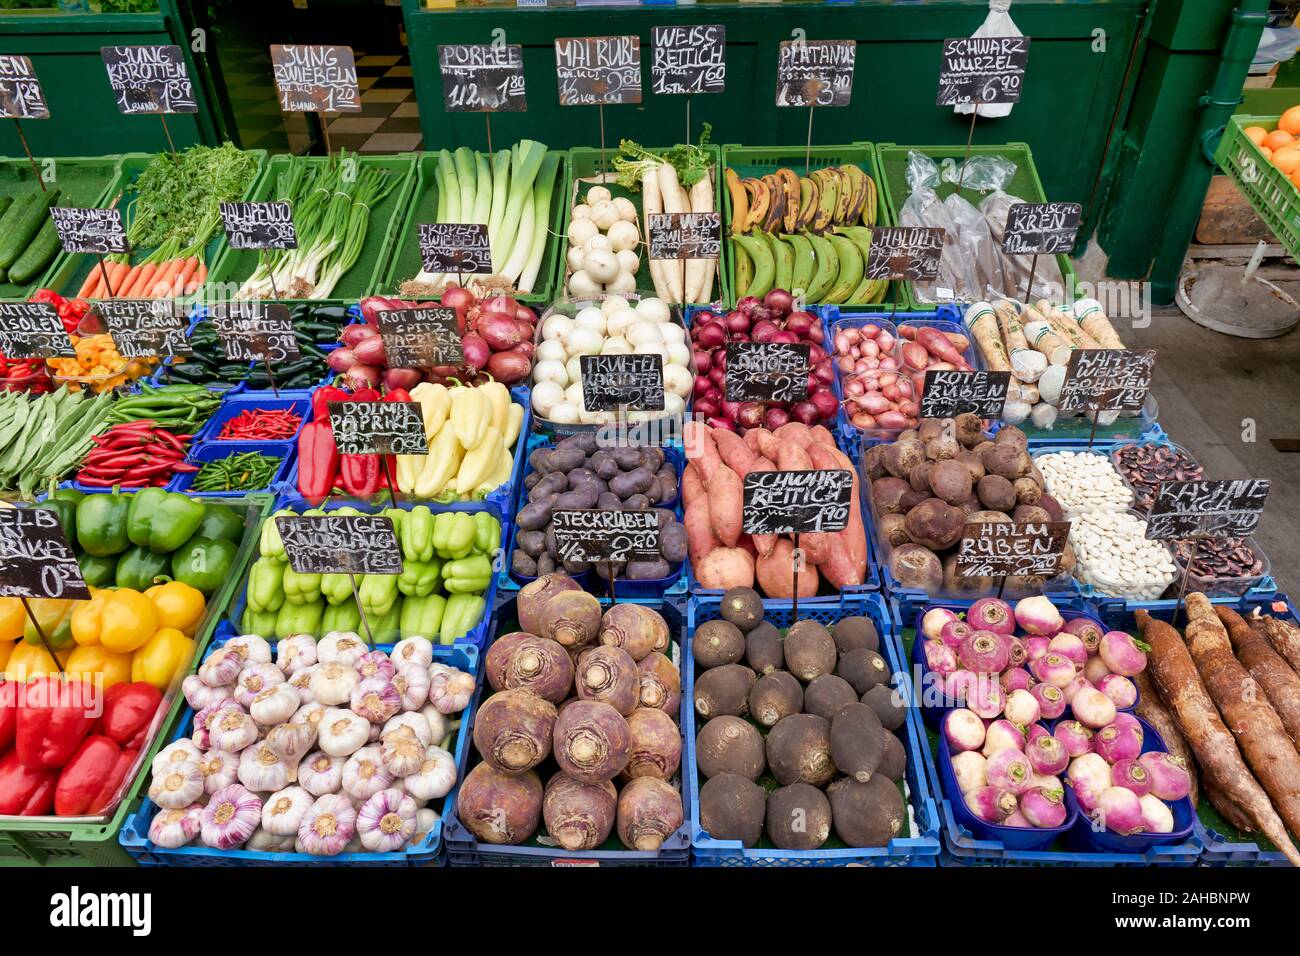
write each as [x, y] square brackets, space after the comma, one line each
[43, 438]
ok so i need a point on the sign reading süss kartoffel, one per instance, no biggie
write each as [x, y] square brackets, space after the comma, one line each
[259, 225]
[482, 78]
[378, 428]
[815, 72]
[36, 560]
[455, 248]
[256, 332]
[596, 71]
[96, 231]
[33, 330]
[315, 79]
[21, 96]
[685, 235]
[982, 70]
[946, 393]
[1107, 379]
[149, 79]
[420, 338]
[634, 381]
[143, 328]
[1214, 509]
[797, 502]
[597, 536]
[1041, 228]
[688, 59]
[904, 253]
[1003, 549]
[766, 372]
[345, 544]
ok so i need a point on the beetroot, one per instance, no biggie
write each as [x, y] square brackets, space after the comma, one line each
[655, 749]
[579, 815]
[513, 730]
[500, 808]
[649, 812]
[609, 674]
[591, 741]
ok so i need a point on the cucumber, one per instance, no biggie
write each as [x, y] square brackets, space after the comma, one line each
[5, 203]
[37, 256]
[12, 213]
[33, 215]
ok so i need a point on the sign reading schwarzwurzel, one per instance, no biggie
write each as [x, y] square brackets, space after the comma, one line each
[982, 70]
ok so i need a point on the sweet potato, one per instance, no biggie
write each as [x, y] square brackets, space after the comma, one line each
[725, 568]
[763, 543]
[793, 432]
[726, 502]
[768, 444]
[1180, 686]
[1281, 684]
[776, 573]
[700, 539]
[821, 436]
[734, 451]
[1284, 637]
[692, 485]
[697, 440]
[793, 457]
[1153, 710]
[751, 439]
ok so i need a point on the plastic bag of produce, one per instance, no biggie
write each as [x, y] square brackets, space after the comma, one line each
[921, 172]
[975, 244]
[1048, 283]
[956, 279]
[981, 173]
[997, 24]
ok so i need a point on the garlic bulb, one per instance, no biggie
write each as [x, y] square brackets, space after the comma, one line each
[342, 732]
[180, 751]
[401, 751]
[329, 824]
[435, 778]
[219, 769]
[439, 724]
[386, 821]
[424, 821]
[201, 733]
[342, 647]
[412, 684]
[274, 705]
[332, 682]
[231, 730]
[312, 713]
[230, 817]
[300, 681]
[266, 842]
[450, 690]
[179, 785]
[263, 770]
[292, 740]
[412, 650]
[364, 774]
[254, 679]
[319, 773]
[416, 721]
[375, 664]
[251, 647]
[199, 695]
[171, 829]
[221, 667]
[376, 699]
[295, 653]
[284, 810]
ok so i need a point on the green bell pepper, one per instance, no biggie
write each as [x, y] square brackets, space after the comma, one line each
[422, 616]
[138, 568]
[221, 523]
[204, 563]
[99, 572]
[261, 623]
[301, 588]
[266, 584]
[269, 541]
[378, 593]
[66, 510]
[386, 627]
[468, 575]
[336, 588]
[417, 534]
[396, 516]
[161, 520]
[419, 578]
[463, 612]
[453, 534]
[102, 523]
[487, 533]
[299, 619]
[341, 617]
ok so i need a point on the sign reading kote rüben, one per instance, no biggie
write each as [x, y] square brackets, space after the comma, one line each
[991, 549]
[378, 428]
[342, 544]
[149, 79]
[595, 535]
[36, 560]
[315, 79]
[796, 502]
[598, 71]
[482, 78]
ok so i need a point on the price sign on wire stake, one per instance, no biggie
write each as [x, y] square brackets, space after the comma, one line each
[149, 79]
[1107, 380]
[33, 330]
[815, 72]
[256, 332]
[688, 59]
[904, 253]
[378, 428]
[1041, 228]
[633, 381]
[420, 338]
[36, 560]
[259, 225]
[342, 544]
[455, 248]
[312, 78]
[21, 96]
[950, 392]
[482, 77]
[1210, 509]
[767, 372]
[796, 502]
[685, 235]
[598, 71]
[1004, 549]
[598, 536]
[982, 70]
[142, 328]
[96, 231]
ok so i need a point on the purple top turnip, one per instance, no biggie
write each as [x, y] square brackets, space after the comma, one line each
[1036, 647]
[963, 730]
[1014, 679]
[934, 620]
[992, 805]
[1156, 816]
[1002, 735]
[1053, 669]
[1009, 770]
[1021, 708]
[1131, 775]
[1047, 756]
[1169, 777]
[1121, 690]
[985, 652]
[969, 769]
[1068, 645]
[992, 614]
[1039, 616]
[1093, 709]
[1118, 741]
[1089, 775]
[1087, 630]
[1123, 653]
[954, 632]
[1074, 737]
[1017, 651]
[939, 657]
[1051, 702]
[1119, 810]
[985, 696]
[1043, 808]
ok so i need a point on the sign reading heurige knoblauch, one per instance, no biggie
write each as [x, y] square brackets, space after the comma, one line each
[315, 79]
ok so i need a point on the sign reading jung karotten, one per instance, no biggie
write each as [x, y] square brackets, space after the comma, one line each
[1214, 509]
[904, 253]
[950, 392]
[256, 332]
[607, 535]
[455, 248]
[685, 235]
[315, 79]
[797, 502]
[343, 544]
[1041, 228]
[143, 328]
[596, 71]
[36, 560]
[1107, 380]
[982, 70]
[815, 72]
[992, 549]
[378, 428]
[259, 225]
[420, 338]
[634, 381]
[767, 372]
[21, 96]
[688, 59]
[96, 231]
[33, 330]
[482, 77]
[149, 79]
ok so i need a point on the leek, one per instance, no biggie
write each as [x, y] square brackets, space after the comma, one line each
[541, 222]
[527, 158]
[450, 185]
[483, 194]
[500, 182]
[523, 245]
[466, 177]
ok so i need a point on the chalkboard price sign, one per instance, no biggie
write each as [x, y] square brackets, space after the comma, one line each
[766, 372]
[685, 235]
[796, 502]
[457, 248]
[36, 560]
[597, 536]
[598, 71]
[688, 59]
[149, 79]
[259, 225]
[378, 428]
[315, 79]
[420, 338]
[482, 77]
[982, 70]
[1004, 549]
[143, 328]
[1107, 379]
[634, 381]
[33, 330]
[904, 253]
[950, 392]
[1212, 509]
[1041, 228]
[343, 544]
[815, 72]
[97, 231]
[21, 96]
[256, 332]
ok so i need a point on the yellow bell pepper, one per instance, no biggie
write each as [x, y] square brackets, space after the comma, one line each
[158, 662]
[86, 618]
[498, 397]
[479, 462]
[95, 662]
[471, 414]
[124, 619]
[6, 649]
[12, 619]
[441, 465]
[179, 605]
[32, 660]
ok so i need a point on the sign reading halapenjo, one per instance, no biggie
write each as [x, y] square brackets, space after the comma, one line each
[259, 225]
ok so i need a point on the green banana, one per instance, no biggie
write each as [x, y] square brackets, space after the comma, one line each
[804, 263]
[783, 255]
[744, 268]
[828, 267]
[764, 264]
[869, 291]
[850, 273]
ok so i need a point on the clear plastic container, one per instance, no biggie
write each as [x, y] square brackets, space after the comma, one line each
[1212, 586]
[1082, 506]
[1097, 584]
[91, 326]
[1139, 501]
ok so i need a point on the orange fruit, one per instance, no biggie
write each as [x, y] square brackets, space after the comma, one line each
[1255, 134]
[1290, 120]
[1287, 160]
[1295, 178]
[1268, 153]
[1278, 138]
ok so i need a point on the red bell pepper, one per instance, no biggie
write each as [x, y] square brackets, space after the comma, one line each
[92, 777]
[128, 712]
[321, 398]
[23, 790]
[318, 461]
[54, 717]
[8, 712]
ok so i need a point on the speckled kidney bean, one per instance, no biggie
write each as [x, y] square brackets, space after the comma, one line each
[1220, 558]
[1146, 466]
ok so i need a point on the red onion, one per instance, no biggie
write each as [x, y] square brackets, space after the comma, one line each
[703, 317]
[454, 297]
[476, 351]
[702, 363]
[763, 331]
[775, 418]
[748, 304]
[524, 314]
[361, 376]
[750, 415]
[703, 384]
[730, 409]
[784, 337]
[340, 360]
[826, 403]
[717, 375]
[501, 332]
[737, 322]
[711, 335]
[805, 412]
[725, 423]
[779, 300]
[509, 367]
[740, 336]
[800, 323]
[706, 407]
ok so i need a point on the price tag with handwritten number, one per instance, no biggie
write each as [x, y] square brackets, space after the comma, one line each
[342, 544]
[36, 560]
[1003, 549]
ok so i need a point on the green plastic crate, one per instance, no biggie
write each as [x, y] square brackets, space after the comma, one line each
[69, 271]
[892, 161]
[584, 163]
[81, 181]
[754, 161]
[236, 265]
[48, 841]
[421, 206]
[1268, 190]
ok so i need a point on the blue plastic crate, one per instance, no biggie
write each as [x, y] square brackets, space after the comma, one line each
[919, 850]
[134, 836]
[464, 849]
[213, 451]
[235, 405]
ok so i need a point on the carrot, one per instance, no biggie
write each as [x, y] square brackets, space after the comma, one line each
[161, 283]
[1284, 637]
[1153, 710]
[136, 289]
[187, 273]
[200, 276]
[1180, 686]
[92, 279]
[116, 276]
[120, 287]
[1281, 684]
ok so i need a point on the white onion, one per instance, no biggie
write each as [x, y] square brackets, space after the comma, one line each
[604, 214]
[678, 380]
[645, 333]
[581, 231]
[678, 353]
[564, 413]
[656, 310]
[672, 332]
[583, 342]
[623, 235]
[623, 282]
[574, 258]
[573, 369]
[598, 242]
[582, 284]
[674, 404]
[551, 350]
[551, 371]
[546, 395]
[557, 327]
[615, 346]
[622, 320]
